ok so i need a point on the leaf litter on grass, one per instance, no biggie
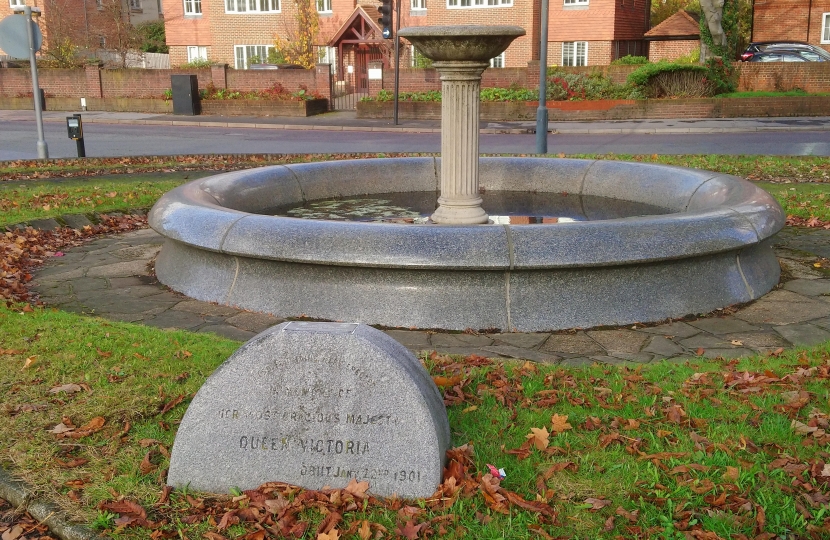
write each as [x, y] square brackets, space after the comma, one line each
[715, 450]
[730, 448]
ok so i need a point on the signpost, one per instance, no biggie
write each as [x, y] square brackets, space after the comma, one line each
[13, 31]
[542, 110]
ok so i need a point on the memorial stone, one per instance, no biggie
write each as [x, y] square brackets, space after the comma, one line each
[315, 405]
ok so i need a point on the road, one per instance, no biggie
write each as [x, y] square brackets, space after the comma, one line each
[18, 141]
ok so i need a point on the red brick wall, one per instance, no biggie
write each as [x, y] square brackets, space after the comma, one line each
[762, 76]
[141, 83]
[809, 76]
[55, 82]
[181, 31]
[672, 49]
[291, 79]
[593, 22]
[631, 19]
[621, 110]
[780, 19]
[144, 82]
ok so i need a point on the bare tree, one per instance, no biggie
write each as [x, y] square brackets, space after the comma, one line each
[119, 33]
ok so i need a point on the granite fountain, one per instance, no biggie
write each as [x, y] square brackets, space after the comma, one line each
[705, 246]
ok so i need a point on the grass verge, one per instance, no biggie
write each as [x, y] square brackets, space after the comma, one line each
[729, 448]
[798, 183]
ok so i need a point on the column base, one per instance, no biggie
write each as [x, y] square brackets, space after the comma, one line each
[453, 213]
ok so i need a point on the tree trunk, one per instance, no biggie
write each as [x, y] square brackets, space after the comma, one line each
[713, 12]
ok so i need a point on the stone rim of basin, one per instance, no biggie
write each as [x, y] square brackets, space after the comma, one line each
[710, 212]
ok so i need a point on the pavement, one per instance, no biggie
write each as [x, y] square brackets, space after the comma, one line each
[111, 277]
[348, 121]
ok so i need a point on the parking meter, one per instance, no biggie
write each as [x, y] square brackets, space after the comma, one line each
[75, 130]
[75, 127]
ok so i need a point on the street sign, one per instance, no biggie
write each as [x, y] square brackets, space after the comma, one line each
[13, 38]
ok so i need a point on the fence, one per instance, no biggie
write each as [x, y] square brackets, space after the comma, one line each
[136, 59]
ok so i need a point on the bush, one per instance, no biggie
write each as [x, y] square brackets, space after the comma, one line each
[563, 86]
[691, 58]
[514, 93]
[629, 60]
[276, 92]
[670, 79]
[723, 77]
[199, 63]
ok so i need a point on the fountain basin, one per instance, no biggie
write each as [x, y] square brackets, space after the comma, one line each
[712, 251]
[461, 43]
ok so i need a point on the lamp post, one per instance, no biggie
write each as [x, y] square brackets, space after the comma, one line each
[542, 110]
[42, 148]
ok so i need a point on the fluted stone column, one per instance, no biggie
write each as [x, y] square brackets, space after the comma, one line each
[460, 54]
[459, 202]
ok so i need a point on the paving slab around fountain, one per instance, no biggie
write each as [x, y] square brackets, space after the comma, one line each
[712, 251]
[61, 284]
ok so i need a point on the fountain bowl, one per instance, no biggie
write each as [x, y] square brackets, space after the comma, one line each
[469, 43]
[713, 249]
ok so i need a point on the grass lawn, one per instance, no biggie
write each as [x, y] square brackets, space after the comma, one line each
[731, 447]
[702, 449]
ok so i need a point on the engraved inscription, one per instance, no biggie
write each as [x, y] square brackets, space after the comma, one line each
[300, 415]
[315, 446]
[334, 471]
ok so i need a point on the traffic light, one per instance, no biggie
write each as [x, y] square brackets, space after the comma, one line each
[385, 20]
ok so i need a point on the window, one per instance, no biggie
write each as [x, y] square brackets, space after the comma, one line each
[254, 6]
[497, 61]
[419, 4]
[575, 53]
[825, 27]
[419, 60]
[196, 52]
[192, 7]
[323, 6]
[14, 3]
[246, 53]
[135, 5]
[576, 2]
[327, 55]
[478, 3]
[102, 41]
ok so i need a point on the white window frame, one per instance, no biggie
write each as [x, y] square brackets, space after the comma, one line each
[418, 5]
[576, 2]
[825, 28]
[135, 5]
[575, 45]
[196, 52]
[466, 4]
[324, 6]
[252, 6]
[244, 56]
[192, 7]
[497, 62]
[17, 3]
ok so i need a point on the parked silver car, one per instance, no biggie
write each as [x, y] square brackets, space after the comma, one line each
[813, 52]
[786, 55]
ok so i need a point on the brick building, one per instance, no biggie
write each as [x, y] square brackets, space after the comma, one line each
[581, 32]
[87, 24]
[677, 36]
[801, 20]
